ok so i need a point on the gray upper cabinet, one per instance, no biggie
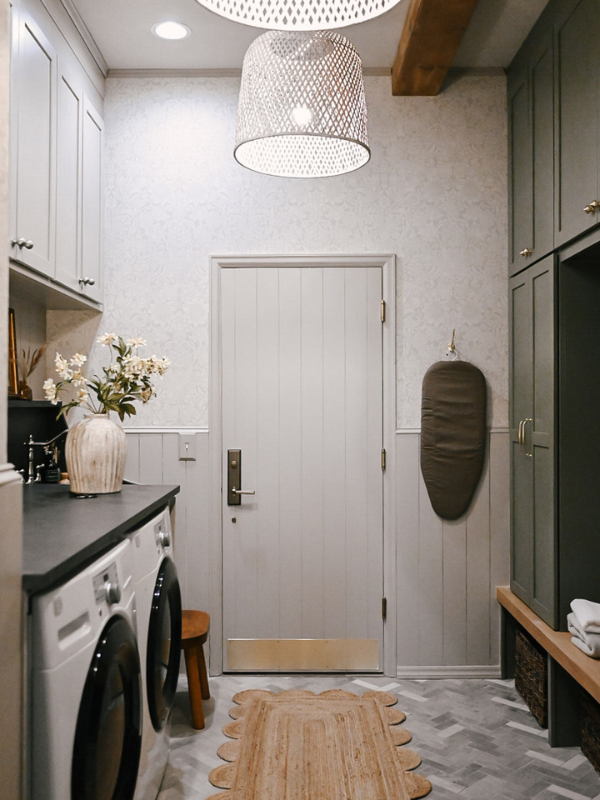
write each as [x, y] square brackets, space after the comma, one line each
[68, 183]
[577, 27]
[56, 156]
[533, 512]
[33, 118]
[79, 195]
[92, 205]
[531, 149]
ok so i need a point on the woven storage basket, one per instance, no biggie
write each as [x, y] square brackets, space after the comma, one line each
[531, 676]
[590, 729]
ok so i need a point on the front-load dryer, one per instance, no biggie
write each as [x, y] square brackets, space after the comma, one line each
[159, 638]
[86, 713]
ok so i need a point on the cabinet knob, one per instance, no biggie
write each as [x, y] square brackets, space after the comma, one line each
[526, 253]
[87, 281]
[22, 243]
[591, 207]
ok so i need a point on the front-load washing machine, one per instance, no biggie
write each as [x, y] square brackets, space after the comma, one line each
[86, 713]
[159, 638]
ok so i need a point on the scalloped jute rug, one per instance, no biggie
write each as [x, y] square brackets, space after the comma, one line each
[296, 745]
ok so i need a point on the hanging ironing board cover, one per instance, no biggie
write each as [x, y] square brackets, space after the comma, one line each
[453, 435]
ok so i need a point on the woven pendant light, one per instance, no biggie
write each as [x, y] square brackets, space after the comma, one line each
[302, 111]
[299, 15]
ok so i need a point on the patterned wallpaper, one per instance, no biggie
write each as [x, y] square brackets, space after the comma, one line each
[434, 193]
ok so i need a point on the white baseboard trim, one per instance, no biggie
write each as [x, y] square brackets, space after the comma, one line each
[187, 431]
[433, 673]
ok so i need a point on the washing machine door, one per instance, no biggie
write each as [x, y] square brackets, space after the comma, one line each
[164, 644]
[108, 736]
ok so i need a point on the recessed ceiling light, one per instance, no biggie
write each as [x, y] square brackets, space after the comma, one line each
[171, 30]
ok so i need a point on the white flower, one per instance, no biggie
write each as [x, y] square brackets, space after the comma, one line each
[157, 366]
[82, 395]
[62, 367]
[107, 339]
[134, 366]
[50, 391]
[78, 379]
[136, 342]
[163, 365]
[78, 360]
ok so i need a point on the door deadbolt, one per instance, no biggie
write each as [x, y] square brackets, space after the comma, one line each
[234, 478]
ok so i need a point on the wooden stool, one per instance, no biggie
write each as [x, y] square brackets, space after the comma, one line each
[194, 631]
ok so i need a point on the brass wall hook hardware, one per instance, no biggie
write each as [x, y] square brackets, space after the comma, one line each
[452, 347]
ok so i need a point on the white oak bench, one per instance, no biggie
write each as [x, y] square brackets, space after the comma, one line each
[568, 667]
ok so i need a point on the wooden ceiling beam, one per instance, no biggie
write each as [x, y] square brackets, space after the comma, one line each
[430, 38]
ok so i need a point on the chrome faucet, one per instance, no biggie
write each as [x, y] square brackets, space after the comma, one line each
[32, 476]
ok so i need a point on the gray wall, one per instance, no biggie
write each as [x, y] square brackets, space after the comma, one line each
[434, 194]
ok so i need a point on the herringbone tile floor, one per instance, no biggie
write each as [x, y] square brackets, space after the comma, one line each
[476, 738]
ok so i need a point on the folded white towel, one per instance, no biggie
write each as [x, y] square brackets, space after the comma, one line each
[589, 643]
[588, 615]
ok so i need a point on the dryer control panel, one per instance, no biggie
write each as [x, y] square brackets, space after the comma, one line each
[106, 585]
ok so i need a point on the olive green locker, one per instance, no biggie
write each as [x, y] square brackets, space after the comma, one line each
[577, 32]
[531, 149]
[533, 507]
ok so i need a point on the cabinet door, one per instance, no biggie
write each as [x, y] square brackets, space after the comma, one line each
[521, 167]
[577, 34]
[34, 143]
[539, 442]
[541, 80]
[92, 201]
[531, 149]
[533, 517]
[521, 400]
[68, 178]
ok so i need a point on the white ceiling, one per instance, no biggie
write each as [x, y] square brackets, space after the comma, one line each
[122, 32]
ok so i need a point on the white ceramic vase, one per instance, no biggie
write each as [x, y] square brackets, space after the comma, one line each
[96, 452]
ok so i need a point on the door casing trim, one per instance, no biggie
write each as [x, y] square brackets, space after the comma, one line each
[387, 263]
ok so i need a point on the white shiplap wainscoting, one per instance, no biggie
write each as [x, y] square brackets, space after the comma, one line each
[447, 572]
[153, 457]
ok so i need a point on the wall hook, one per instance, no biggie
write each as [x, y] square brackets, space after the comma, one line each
[452, 347]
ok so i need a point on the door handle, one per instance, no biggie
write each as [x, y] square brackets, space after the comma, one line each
[234, 478]
[525, 421]
[520, 439]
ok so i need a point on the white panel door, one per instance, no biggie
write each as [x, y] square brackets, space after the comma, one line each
[301, 353]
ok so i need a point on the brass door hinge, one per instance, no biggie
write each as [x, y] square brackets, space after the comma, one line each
[382, 312]
[383, 458]
[383, 607]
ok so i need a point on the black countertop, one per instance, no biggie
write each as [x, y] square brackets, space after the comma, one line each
[62, 534]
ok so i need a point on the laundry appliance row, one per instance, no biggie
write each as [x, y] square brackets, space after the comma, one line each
[105, 649]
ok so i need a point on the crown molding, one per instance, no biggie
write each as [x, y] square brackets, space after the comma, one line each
[85, 34]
